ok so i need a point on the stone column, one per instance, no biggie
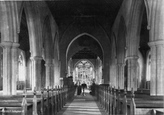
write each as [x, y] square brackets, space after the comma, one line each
[132, 73]
[7, 68]
[97, 73]
[14, 59]
[120, 72]
[160, 69]
[157, 68]
[48, 73]
[52, 76]
[156, 34]
[36, 72]
[57, 73]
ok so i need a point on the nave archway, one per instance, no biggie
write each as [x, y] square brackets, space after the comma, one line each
[84, 59]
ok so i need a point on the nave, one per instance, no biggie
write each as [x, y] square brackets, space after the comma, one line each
[47, 47]
[83, 105]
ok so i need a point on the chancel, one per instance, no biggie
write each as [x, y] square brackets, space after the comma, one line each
[49, 48]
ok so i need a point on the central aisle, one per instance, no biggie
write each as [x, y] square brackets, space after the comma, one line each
[82, 105]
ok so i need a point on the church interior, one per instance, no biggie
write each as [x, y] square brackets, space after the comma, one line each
[48, 48]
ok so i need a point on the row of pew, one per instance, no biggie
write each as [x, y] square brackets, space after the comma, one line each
[45, 102]
[122, 102]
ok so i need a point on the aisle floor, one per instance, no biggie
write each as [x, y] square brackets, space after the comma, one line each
[82, 105]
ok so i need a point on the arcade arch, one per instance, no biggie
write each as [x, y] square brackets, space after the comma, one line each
[87, 47]
[81, 35]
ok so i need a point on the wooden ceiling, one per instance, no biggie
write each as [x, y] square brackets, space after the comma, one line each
[70, 9]
[92, 10]
[84, 8]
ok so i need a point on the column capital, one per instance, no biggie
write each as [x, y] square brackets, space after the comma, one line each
[36, 58]
[49, 64]
[6, 44]
[15, 45]
[121, 64]
[156, 43]
[131, 57]
[49, 60]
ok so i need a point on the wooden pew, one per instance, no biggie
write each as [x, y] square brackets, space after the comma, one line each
[141, 104]
[17, 106]
[158, 112]
[126, 103]
[35, 104]
[46, 102]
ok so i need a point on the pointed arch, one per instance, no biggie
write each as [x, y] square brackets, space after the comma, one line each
[82, 34]
[83, 60]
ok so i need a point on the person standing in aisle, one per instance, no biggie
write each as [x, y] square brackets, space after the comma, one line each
[84, 85]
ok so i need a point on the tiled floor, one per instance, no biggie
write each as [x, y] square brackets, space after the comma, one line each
[82, 105]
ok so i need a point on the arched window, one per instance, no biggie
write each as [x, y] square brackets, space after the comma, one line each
[21, 71]
[84, 72]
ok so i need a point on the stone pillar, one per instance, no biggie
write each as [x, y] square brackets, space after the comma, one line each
[160, 69]
[156, 34]
[48, 73]
[14, 59]
[7, 68]
[157, 68]
[120, 72]
[52, 75]
[36, 72]
[132, 73]
[96, 73]
[56, 72]
[97, 70]
[71, 67]
[153, 71]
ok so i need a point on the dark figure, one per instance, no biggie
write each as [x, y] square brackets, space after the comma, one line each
[83, 87]
[93, 89]
[78, 89]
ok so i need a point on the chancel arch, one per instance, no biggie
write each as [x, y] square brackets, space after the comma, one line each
[74, 30]
[85, 46]
[89, 39]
